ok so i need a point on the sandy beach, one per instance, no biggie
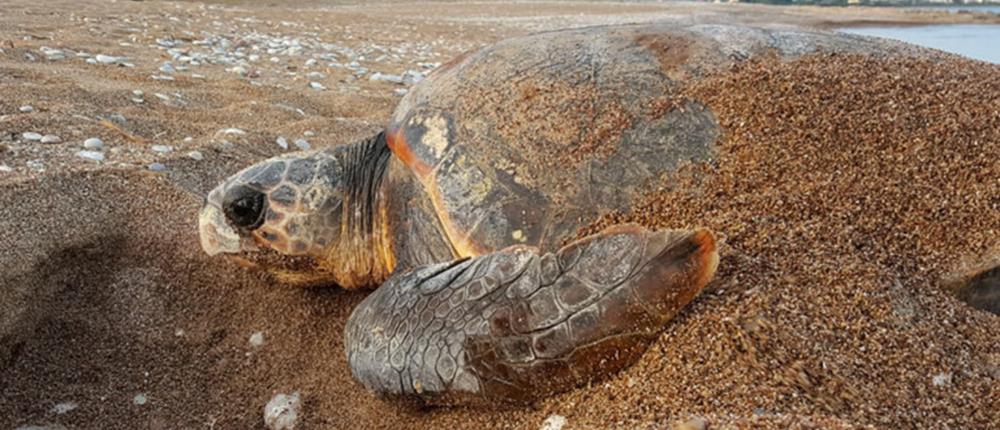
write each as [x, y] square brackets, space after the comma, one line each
[117, 117]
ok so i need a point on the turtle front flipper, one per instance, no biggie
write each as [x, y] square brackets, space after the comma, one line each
[517, 326]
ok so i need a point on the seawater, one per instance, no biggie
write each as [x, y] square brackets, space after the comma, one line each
[979, 41]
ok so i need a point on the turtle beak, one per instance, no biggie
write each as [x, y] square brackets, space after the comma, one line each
[217, 236]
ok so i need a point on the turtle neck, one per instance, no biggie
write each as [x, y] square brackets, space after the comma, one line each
[362, 258]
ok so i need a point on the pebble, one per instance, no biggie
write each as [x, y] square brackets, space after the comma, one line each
[282, 412]
[35, 165]
[5, 168]
[316, 86]
[692, 424]
[93, 143]
[157, 167]
[233, 131]
[91, 155]
[942, 379]
[282, 142]
[379, 76]
[257, 339]
[26, 109]
[139, 399]
[64, 407]
[553, 422]
[137, 93]
[51, 138]
[195, 155]
[163, 97]
[52, 54]
[161, 78]
[108, 59]
[302, 144]
[163, 149]
[400, 91]
[167, 68]
[31, 136]
[309, 133]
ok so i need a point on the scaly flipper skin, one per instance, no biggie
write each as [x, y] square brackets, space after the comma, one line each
[515, 326]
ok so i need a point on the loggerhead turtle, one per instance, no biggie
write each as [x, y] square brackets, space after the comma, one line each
[465, 210]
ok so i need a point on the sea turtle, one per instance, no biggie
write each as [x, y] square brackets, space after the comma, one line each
[466, 210]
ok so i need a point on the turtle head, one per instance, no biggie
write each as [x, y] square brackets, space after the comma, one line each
[281, 215]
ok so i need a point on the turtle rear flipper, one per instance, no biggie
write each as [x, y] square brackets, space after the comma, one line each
[517, 326]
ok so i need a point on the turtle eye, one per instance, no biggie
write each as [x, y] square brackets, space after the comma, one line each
[244, 207]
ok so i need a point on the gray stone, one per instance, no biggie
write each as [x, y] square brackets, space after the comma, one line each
[31, 136]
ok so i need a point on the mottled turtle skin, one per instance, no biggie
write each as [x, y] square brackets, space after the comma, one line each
[466, 210]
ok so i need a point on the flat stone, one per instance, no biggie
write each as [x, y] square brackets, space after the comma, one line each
[157, 167]
[31, 136]
[93, 143]
[302, 144]
[51, 138]
[163, 149]
[91, 155]
[195, 155]
[26, 109]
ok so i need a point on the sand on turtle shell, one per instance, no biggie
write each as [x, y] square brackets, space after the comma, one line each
[846, 188]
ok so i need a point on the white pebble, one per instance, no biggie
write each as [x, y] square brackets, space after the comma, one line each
[107, 59]
[91, 155]
[257, 339]
[139, 399]
[316, 86]
[282, 142]
[5, 168]
[942, 379]
[195, 155]
[26, 109]
[282, 412]
[553, 422]
[163, 149]
[309, 133]
[93, 143]
[233, 131]
[400, 91]
[31, 136]
[62, 408]
[51, 138]
[302, 144]
[137, 93]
